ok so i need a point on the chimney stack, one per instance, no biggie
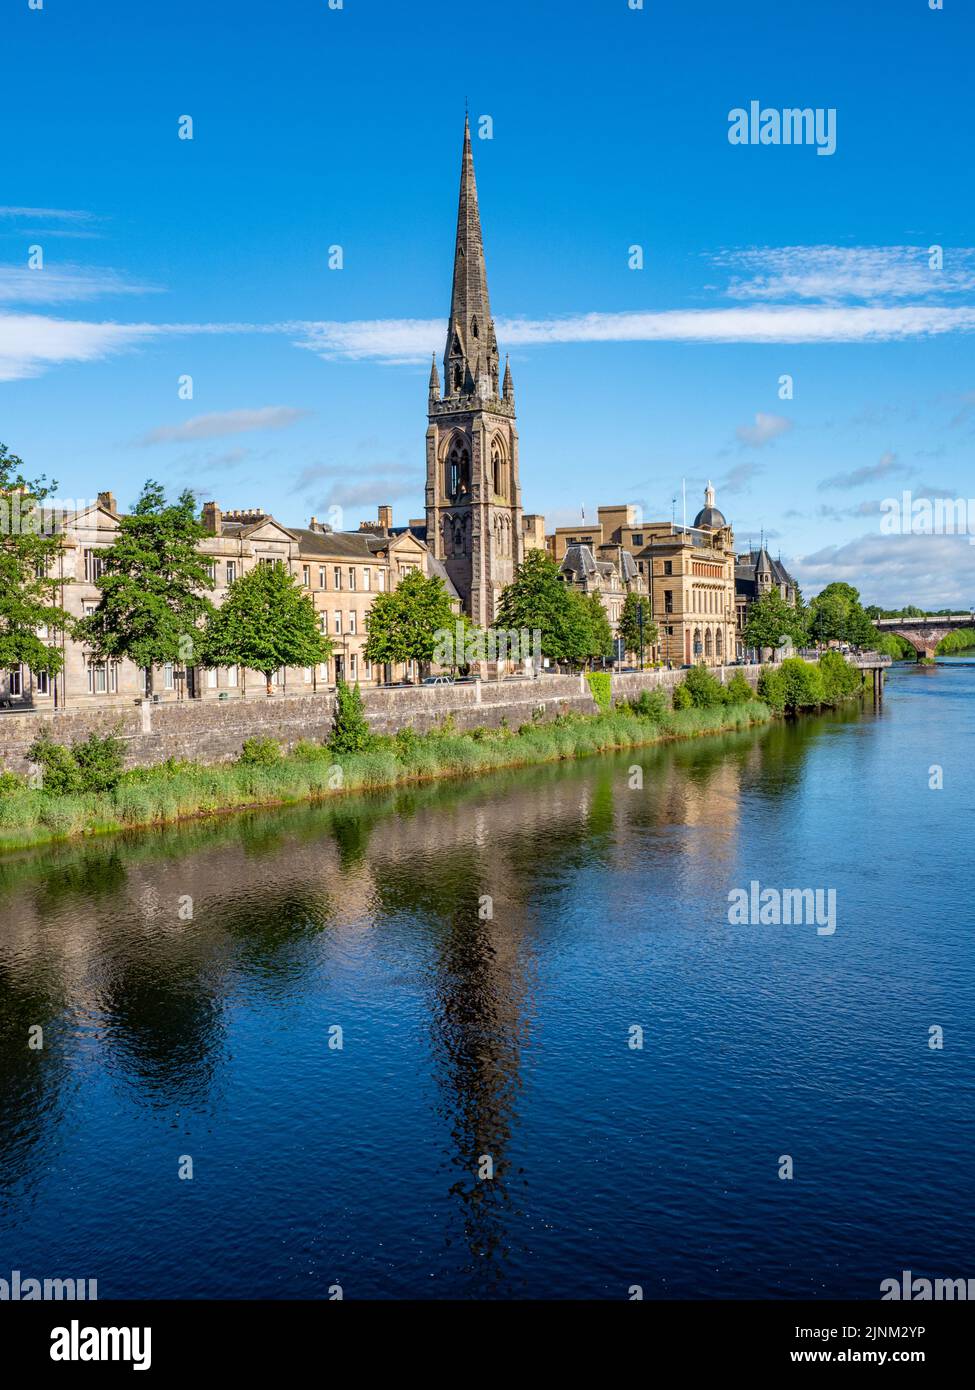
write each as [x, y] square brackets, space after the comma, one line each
[212, 518]
[107, 500]
[386, 519]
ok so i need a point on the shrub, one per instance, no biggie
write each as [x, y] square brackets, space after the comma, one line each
[651, 705]
[9, 783]
[705, 690]
[305, 751]
[60, 773]
[839, 678]
[738, 690]
[99, 759]
[601, 685]
[771, 688]
[802, 683]
[350, 730]
[260, 752]
[682, 698]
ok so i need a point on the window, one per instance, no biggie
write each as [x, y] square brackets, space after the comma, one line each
[94, 566]
[366, 578]
[381, 580]
[211, 568]
[231, 571]
[232, 676]
[306, 675]
[337, 576]
[323, 623]
[212, 678]
[103, 679]
[351, 577]
[668, 600]
[17, 680]
[368, 670]
[668, 567]
[352, 622]
[338, 621]
[323, 671]
[88, 607]
[637, 537]
[321, 576]
[306, 576]
[42, 682]
[168, 676]
[352, 666]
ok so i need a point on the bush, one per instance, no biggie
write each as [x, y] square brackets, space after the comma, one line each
[771, 688]
[99, 760]
[61, 775]
[601, 685]
[9, 783]
[839, 678]
[652, 705]
[705, 690]
[738, 690]
[260, 752]
[350, 731]
[803, 684]
[682, 698]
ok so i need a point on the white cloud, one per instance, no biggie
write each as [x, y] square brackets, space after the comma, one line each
[832, 274]
[219, 423]
[764, 430]
[31, 343]
[869, 473]
[893, 571]
[47, 214]
[20, 285]
[413, 340]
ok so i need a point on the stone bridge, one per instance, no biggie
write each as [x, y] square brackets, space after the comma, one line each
[924, 634]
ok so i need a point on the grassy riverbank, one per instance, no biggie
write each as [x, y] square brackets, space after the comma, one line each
[176, 791]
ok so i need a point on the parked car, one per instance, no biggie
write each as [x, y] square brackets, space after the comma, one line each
[438, 680]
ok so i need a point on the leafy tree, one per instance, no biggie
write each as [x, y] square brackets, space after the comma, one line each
[600, 644]
[682, 698]
[629, 624]
[265, 622]
[802, 684]
[403, 623]
[539, 600]
[28, 584]
[152, 604]
[836, 615]
[771, 618]
[350, 728]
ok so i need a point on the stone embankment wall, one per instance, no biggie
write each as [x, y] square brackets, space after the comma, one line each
[213, 731]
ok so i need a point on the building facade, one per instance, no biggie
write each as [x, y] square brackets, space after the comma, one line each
[757, 574]
[342, 572]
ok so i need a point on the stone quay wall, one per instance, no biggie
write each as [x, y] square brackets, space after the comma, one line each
[213, 731]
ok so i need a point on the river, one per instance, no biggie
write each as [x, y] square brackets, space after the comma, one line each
[396, 1036]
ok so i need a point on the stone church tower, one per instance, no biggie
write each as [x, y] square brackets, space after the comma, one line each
[473, 497]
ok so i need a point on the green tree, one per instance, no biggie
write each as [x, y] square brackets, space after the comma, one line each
[539, 600]
[29, 548]
[350, 728]
[600, 644]
[403, 625]
[265, 622]
[836, 615]
[629, 624]
[153, 604]
[771, 618]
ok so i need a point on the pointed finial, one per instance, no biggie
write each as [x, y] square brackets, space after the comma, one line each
[434, 378]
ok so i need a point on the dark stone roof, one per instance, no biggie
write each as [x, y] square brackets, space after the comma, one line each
[352, 545]
[710, 519]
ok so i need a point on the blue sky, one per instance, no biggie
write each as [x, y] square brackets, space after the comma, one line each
[315, 127]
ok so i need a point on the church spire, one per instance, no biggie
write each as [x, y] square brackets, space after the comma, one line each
[471, 356]
[434, 380]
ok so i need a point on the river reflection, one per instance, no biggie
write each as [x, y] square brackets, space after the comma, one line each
[484, 1129]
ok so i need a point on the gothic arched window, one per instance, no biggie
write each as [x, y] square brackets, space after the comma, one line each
[498, 468]
[458, 469]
